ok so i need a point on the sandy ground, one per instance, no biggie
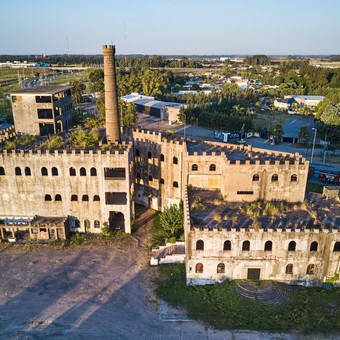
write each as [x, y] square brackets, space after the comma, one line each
[92, 292]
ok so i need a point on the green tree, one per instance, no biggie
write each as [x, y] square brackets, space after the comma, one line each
[83, 139]
[77, 90]
[55, 143]
[331, 115]
[304, 133]
[171, 220]
[278, 131]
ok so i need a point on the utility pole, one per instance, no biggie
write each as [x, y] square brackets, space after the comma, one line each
[311, 159]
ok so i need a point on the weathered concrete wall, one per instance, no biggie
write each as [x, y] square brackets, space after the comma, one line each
[25, 195]
[272, 264]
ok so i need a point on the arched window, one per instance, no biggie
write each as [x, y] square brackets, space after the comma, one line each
[175, 184]
[2, 171]
[96, 224]
[138, 175]
[293, 178]
[292, 246]
[199, 268]
[96, 198]
[194, 167]
[220, 268]
[336, 246]
[17, 171]
[227, 245]
[93, 172]
[48, 198]
[162, 180]
[200, 245]
[212, 167]
[246, 246]
[82, 172]
[313, 246]
[175, 160]
[149, 155]
[310, 269]
[275, 178]
[27, 171]
[268, 246]
[57, 197]
[256, 178]
[289, 269]
[85, 198]
[162, 157]
[137, 153]
[74, 198]
[150, 178]
[54, 171]
[44, 171]
[73, 172]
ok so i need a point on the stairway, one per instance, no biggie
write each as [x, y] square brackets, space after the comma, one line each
[266, 292]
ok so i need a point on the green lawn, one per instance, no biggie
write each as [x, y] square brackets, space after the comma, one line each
[269, 119]
[309, 309]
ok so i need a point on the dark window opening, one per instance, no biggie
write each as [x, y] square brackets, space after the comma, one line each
[289, 269]
[43, 99]
[138, 175]
[175, 184]
[310, 269]
[293, 178]
[27, 171]
[246, 246]
[57, 197]
[46, 129]
[162, 180]
[162, 157]
[85, 198]
[137, 153]
[96, 198]
[149, 155]
[93, 172]
[275, 178]
[227, 245]
[74, 198]
[150, 178]
[48, 198]
[73, 172]
[96, 224]
[292, 246]
[82, 172]
[2, 171]
[245, 192]
[256, 178]
[220, 268]
[45, 114]
[115, 198]
[175, 160]
[314, 246]
[44, 171]
[17, 171]
[212, 167]
[114, 173]
[194, 167]
[336, 246]
[200, 245]
[268, 246]
[54, 171]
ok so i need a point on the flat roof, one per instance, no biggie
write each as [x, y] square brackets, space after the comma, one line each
[43, 89]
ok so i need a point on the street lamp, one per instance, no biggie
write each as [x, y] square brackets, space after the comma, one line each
[311, 159]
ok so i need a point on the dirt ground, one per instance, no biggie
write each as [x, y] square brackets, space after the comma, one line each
[91, 292]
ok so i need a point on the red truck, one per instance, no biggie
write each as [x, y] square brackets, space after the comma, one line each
[329, 176]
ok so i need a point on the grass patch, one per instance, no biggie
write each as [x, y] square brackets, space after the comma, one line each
[218, 306]
[314, 187]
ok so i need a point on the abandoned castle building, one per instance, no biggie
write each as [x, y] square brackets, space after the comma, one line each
[88, 189]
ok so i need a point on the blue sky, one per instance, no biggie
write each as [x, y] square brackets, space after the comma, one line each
[171, 27]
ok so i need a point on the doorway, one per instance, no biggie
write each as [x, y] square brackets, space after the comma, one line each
[253, 274]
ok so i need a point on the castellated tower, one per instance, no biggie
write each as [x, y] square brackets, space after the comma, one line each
[111, 95]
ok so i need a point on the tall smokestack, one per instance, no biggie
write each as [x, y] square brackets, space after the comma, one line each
[111, 95]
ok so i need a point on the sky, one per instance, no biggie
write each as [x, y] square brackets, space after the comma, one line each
[171, 27]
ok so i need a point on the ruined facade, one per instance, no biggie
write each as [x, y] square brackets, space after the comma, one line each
[42, 110]
[95, 188]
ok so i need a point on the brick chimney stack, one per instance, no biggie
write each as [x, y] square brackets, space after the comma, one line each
[111, 95]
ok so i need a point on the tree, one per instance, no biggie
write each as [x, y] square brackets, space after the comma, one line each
[278, 131]
[77, 91]
[171, 220]
[331, 115]
[82, 139]
[55, 143]
[304, 133]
